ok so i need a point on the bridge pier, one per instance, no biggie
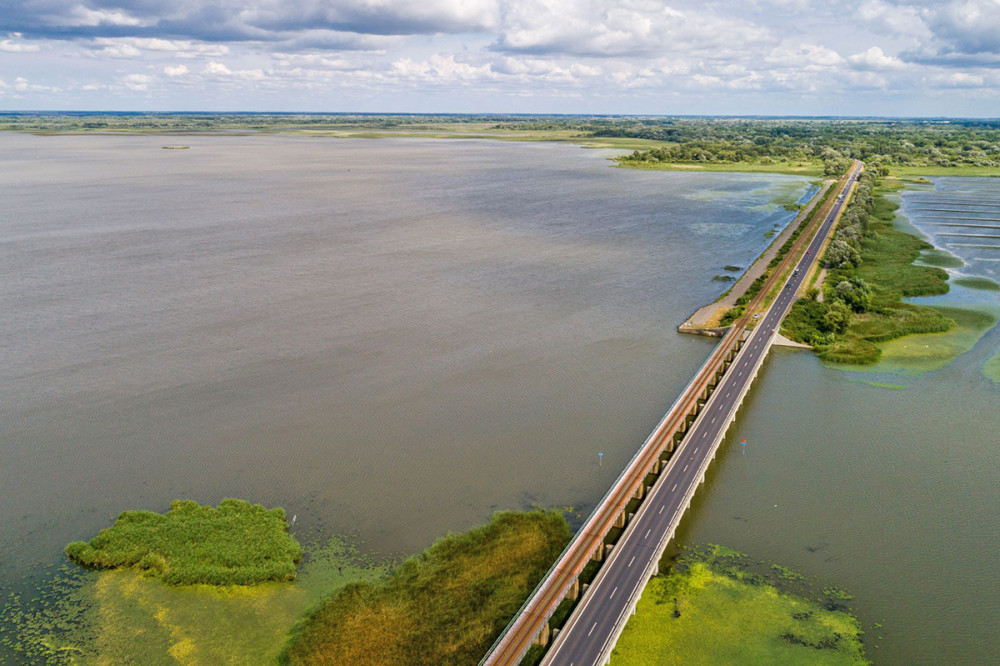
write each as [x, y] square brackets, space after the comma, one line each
[542, 639]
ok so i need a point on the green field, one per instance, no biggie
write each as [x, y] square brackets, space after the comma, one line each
[713, 610]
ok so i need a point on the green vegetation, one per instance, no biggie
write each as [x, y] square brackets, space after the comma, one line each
[871, 271]
[923, 353]
[711, 609]
[992, 368]
[735, 312]
[122, 617]
[444, 606]
[909, 148]
[982, 283]
[941, 258]
[237, 543]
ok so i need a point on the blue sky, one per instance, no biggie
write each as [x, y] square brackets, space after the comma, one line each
[769, 57]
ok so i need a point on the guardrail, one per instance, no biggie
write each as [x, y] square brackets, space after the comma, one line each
[531, 618]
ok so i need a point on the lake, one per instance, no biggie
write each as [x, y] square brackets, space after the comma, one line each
[394, 338]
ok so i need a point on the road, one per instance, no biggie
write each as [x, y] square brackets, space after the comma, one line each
[587, 639]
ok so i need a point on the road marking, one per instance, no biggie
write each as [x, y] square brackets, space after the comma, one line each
[631, 561]
[610, 596]
[696, 450]
[685, 468]
[591, 629]
[715, 417]
[661, 508]
[674, 488]
[647, 535]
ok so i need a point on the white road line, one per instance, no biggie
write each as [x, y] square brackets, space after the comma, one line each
[647, 535]
[591, 629]
[696, 450]
[685, 468]
[661, 510]
[611, 596]
[674, 488]
[631, 561]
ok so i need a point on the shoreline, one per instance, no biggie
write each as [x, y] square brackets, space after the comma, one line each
[706, 319]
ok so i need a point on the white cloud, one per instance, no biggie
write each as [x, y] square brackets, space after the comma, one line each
[178, 70]
[875, 58]
[9, 45]
[216, 68]
[84, 16]
[136, 82]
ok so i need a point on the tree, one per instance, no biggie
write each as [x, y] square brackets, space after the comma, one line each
[837, 317]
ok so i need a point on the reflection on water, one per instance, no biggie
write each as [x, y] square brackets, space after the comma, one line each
[393, 338]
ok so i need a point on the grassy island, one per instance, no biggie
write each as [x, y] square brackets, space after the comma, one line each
[237, 543]
[871, 270]
[711, 609]
[444, 606]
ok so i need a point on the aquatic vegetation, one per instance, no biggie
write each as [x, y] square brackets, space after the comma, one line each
[710, 608]
[982, 283]
[444, 606]
[923, 353]
[237, 543]
[120, 616]
[992, 368]
[886, 273]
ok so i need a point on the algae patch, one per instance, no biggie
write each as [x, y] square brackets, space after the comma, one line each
[123, 617]
[992, 368]
[917, 354]
[711, 609]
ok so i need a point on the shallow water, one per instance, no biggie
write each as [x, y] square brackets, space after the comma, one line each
[394, 338]
[388, 338]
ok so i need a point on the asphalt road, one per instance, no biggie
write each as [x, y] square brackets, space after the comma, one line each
[586, 637]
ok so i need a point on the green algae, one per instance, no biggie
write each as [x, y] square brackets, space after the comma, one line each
[711, 609]
[992, 368]
[120, 616]
[917, 354]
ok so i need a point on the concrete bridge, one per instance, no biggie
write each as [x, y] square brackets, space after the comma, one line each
[650, 496]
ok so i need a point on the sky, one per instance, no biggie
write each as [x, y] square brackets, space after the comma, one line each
[714, 57]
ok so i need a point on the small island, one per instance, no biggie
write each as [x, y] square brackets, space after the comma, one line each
[236, 543]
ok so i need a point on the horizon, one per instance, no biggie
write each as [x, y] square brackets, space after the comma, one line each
[799, 58]
[483, 114]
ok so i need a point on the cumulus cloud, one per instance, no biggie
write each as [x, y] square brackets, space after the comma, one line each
[875, 58]
[175, 70]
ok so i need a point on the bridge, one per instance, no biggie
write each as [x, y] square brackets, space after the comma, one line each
[650, 496]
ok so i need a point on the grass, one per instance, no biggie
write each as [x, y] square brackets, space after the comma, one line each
[797, 169]
[237, 543]
[444, 606]
[982, 283]
[712, 610]
[940, 258]
[887, 265]
[908, 172]
[923, 353]
[122, 617]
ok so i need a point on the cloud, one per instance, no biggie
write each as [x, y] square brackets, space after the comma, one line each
[178, 70]
[136, 82]
[9, 45]
[875, 58]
